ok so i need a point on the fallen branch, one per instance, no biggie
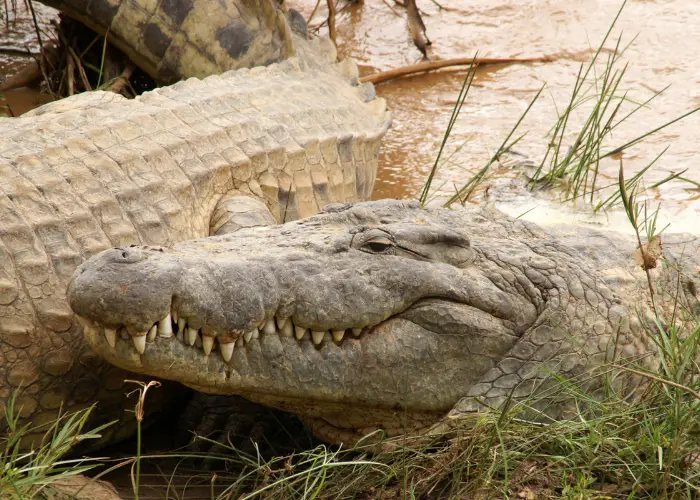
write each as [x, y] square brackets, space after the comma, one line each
[123, 79]
[424, 67]
[331, 20]
[416, 28]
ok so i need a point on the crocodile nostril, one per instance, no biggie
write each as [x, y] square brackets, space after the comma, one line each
[124, 255]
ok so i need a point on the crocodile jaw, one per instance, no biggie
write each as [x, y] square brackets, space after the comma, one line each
[373, 377]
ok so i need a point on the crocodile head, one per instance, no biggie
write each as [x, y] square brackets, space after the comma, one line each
[368, 315]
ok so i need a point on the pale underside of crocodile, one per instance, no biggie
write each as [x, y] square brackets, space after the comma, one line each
[201, 157]
[174, 39]
[384, 315]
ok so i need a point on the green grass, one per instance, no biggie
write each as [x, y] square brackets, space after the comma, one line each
[28, 468]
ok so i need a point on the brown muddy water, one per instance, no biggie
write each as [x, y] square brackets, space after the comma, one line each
[664, 53]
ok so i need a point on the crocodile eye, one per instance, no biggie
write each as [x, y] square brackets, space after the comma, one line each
[379, 245]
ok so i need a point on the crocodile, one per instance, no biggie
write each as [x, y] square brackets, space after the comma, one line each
[201, 157]
[378, 315]
[175, 39]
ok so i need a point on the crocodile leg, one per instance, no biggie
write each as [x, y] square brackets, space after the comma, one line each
[236, 211]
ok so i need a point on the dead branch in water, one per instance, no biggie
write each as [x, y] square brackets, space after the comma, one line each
[331, 20]
[416, 28]
[424, 67]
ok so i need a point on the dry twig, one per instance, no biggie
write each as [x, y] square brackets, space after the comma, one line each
[424, 67]
[123, 79]
[417, 28]
[331, 20]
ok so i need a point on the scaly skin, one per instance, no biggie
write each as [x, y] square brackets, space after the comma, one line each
[175, 39]
[201, 157]
[375, 315]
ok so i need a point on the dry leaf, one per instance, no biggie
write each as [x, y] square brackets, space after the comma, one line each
[648, 254]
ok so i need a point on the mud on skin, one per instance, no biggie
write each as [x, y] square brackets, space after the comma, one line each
[373, 315]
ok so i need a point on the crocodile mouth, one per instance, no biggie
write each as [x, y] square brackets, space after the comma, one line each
[176, 328]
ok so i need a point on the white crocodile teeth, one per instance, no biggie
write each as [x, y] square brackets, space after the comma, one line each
[181, 324]
[317, 336]
[287, 329]
[282, 322]
[269, 327]
[299, 332]
[152, 333]
[111, 336]
[165, 327]
[174, 316]
[191, 334]
[140, 343]
[207, 344]
[356, 331]
[253, 334]
[338, 335]
[226, 350]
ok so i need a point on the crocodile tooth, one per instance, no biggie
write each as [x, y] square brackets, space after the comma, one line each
[165, 327]
[111, 336]
[338, 335]
[140, 343]
[269, 327]
[175, 316]
[181, 323]
[207, 344]
[226, 350]
[317, 336]
[191, 335]
[152, 333]
[281, 322]
[288, 329]
[356, 331]
[299, 332]
[253, 334]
